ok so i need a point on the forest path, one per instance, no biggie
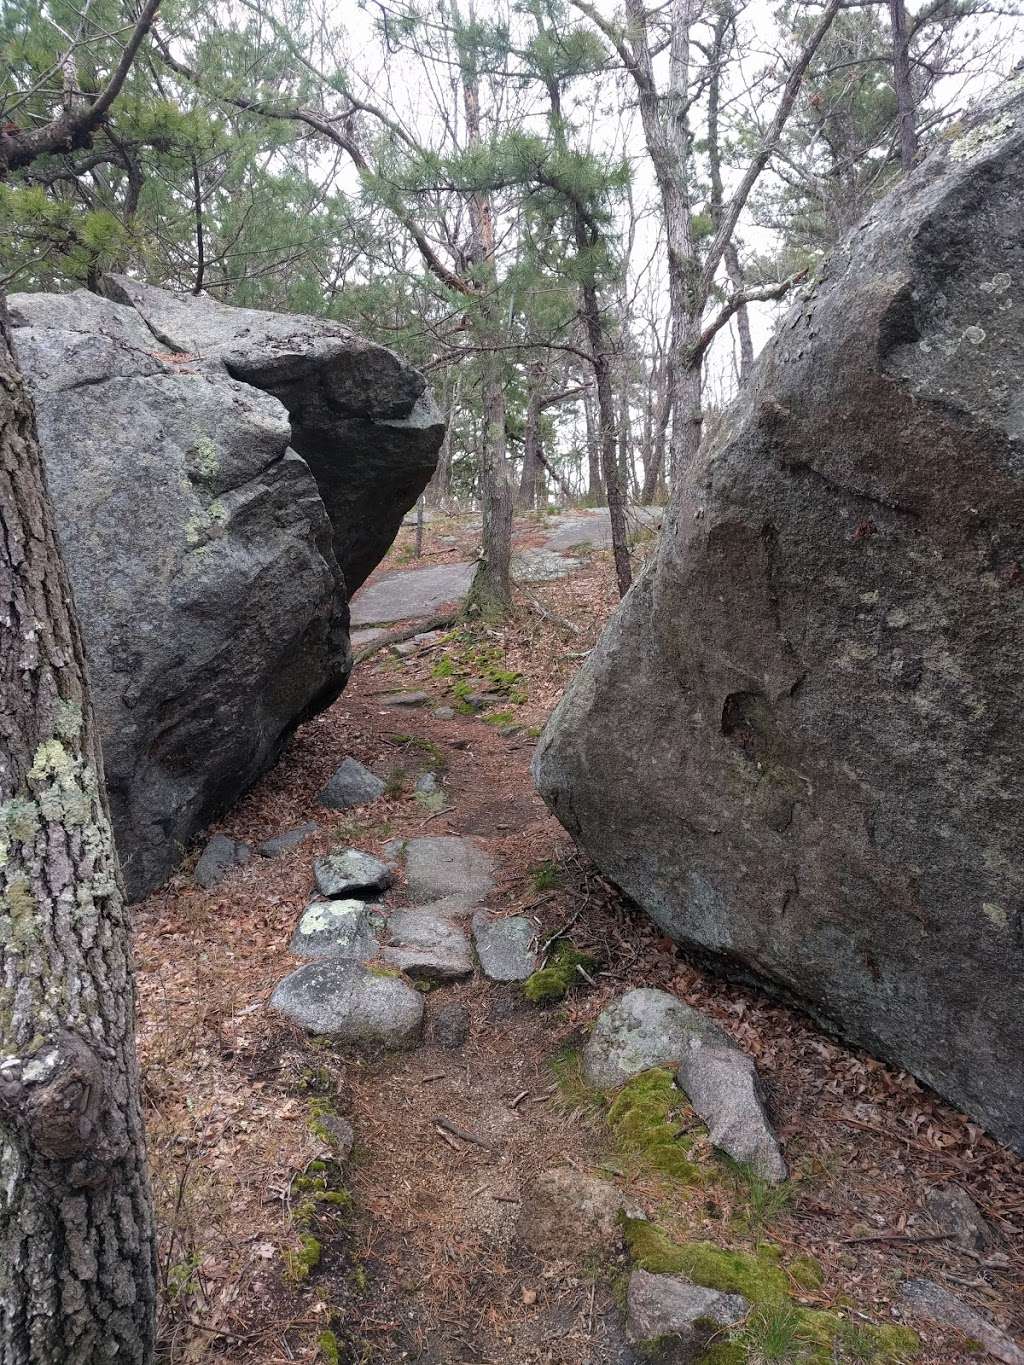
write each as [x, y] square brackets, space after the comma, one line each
[275, 1249]
[427, 587]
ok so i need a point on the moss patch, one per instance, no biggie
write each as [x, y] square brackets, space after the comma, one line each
[300, 1264]
[645, 1118]
[761, 1278]
[553, 981]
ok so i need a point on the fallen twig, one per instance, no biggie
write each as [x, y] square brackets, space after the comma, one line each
[445, 1138]
[898, 1237]
[446, 1125]
[396, 637]
[561, 621]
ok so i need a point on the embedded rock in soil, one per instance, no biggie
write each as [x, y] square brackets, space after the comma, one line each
[568, 1215]
[506, 947]
[219, 478]
[450, 1026]
[347, 1001]
[935, 1304]
[337, 928]
[287, 840]
[428, 946]
[404, 699]
[351, 873]
[338, 1133]
[723, 1086]
[444, 866]
[798, 743]
[681, 1317]
[542, 566]
[954, 1212]
[643, 1028]
[220, 856]
[350, 785]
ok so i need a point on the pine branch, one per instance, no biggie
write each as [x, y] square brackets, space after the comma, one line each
[75, 125]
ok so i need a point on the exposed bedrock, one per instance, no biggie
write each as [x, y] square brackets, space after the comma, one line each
[222, 479]
[799, 744]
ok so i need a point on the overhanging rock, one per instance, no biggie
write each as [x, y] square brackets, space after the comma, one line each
[211, 561]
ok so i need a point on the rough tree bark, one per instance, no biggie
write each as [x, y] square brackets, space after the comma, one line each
[902, 84]
[77, 1262]
[491, 593]
[531, 481]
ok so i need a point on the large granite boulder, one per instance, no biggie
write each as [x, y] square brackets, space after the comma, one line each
[799, 743]
[210, 560]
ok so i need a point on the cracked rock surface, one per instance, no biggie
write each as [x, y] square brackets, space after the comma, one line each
[222, 479]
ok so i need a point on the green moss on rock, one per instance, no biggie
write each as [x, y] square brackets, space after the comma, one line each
[644, 1117]
[763, 1280]
[552, 982]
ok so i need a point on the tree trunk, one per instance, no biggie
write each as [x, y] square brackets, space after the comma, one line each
[654, 472]
[902, 84]
[591, 309]
[532, 479]
[742, 315]
[491, 593]
[595, 479]
[687, 407]
[77, 1262]
[439, 487]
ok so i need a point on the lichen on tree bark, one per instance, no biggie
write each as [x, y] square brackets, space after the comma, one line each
[77, 1265]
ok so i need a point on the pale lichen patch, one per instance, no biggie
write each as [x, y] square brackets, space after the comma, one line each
[995, 914]
[983, 137]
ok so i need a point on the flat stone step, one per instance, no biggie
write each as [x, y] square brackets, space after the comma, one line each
[344, 874]
[506, 947]
[337, 928]
[446, 865]
[345, 1000]
[428, 946]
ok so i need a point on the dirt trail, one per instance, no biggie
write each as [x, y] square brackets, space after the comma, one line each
[424, 1264]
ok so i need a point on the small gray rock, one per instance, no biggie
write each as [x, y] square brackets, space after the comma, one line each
[218, 858]
[343, 874]
[643, 1028]
[339, 1135]
[668, 1306]
[286, 841]
[337, 928]
[404, 699]
[351, 785]
[345, 1000]
[568, 1215]
[479, 701]
[427, 784]
[450, 1027]
[955, 1212]
[930, 1301]
[446, 865]
[722, 1084]
[505, 947]
[428, 946]
[445, 712]
[405, 648]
